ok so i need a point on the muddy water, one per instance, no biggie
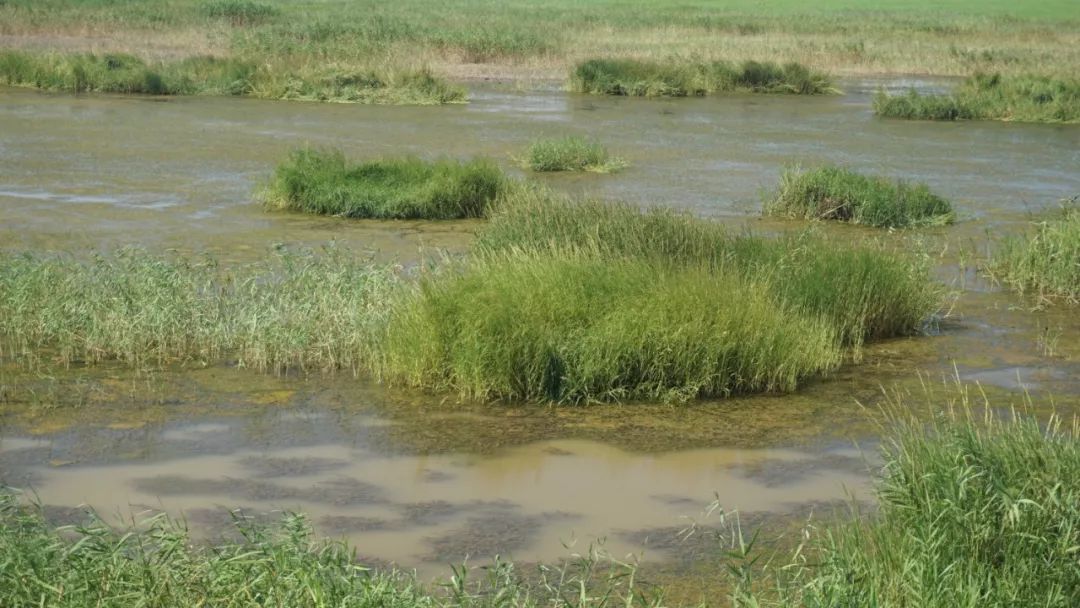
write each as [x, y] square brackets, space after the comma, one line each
[424, 481]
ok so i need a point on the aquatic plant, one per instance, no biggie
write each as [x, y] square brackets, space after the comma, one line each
[323, 182]
[681, 78]
[972, 511]
[836, 193]
[1046, 263]
[570, 154]
[990, 97]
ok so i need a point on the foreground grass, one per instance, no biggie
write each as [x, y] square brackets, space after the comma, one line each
[678, 78]
[1046, 263]
[323, 182]
[204, 75]
[991, 97]
[570, 154]
[971, 512]
[835, 193]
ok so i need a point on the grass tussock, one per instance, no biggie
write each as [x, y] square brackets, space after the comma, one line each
[971, 512]
[835, 193]
[325, 183]
[678, 78]
[201, 75]
[1046, 263]
[570, 154]
[991, 97]
[239, 12]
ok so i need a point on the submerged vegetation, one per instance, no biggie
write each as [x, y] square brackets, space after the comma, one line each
[835, 193]
[570, 154]
[1046, 263]
[325, 183]
[203, 75]
[990, 97]
[679, 78]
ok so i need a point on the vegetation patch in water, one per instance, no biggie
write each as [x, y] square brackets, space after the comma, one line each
[201, 75]
[835, 193]
[970, 512]
[682, 78]
[990, 97]
[1046, 263]
[324, 182]
[570, 154]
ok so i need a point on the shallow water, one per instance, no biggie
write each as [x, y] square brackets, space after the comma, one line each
[422, 480]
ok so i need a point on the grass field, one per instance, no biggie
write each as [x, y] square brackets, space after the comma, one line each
[526, 40]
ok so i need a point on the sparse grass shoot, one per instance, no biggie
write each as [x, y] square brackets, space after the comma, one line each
[682, 78]
[325, 183]
[570, 154]
[1046, 263]
[991, 97]
[835, 193]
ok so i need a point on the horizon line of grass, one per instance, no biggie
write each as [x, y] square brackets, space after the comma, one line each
[836, 193]
[570, 153]
[1046, 263]
[990, 97]
[323, 182]
[206, 75]
[693, 78]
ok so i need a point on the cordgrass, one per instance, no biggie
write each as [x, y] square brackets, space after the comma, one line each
[836, 193]
[324, 182]
[972, 511]
[682, 78]
[866, 290]
[206, 75]
[991, 97]
[1046, 263]
[570, 153]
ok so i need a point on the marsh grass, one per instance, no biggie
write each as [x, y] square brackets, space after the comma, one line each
[836, 193]
[1045, 263]
[323, 182]
[990, 97]
[239, 12]
[201, 75]
[682, 78]
[292, 311]
[974, 509]
[570, 153]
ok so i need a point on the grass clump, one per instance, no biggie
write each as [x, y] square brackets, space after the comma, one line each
[990, 97]
[578, 328]
[239, 12]
[970, 513]
[835, 193]
[687, 78]
[323, 182]
[1046, 263]
[570, 154]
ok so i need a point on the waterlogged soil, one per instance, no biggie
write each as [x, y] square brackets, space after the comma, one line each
[423, 480]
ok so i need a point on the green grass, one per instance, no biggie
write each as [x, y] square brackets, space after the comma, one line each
[971, 512]
[201, 75]
[577, 328]
[291, 311]
[991, 97]
[681, 78]
[570, 154]
[865, 290]
[835, 193]
[1046, 263]
[323, 182]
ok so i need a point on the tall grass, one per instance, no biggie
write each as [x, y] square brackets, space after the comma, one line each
[201, 75]
[865, 290]
[971, 512]
[835, 193]
[570, 153]
[991, 97]
[316, 312]
[1046, 263]
[681, 78]
[323, 182]
[575, 328]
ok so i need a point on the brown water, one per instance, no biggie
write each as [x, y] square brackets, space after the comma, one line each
[424, 481]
